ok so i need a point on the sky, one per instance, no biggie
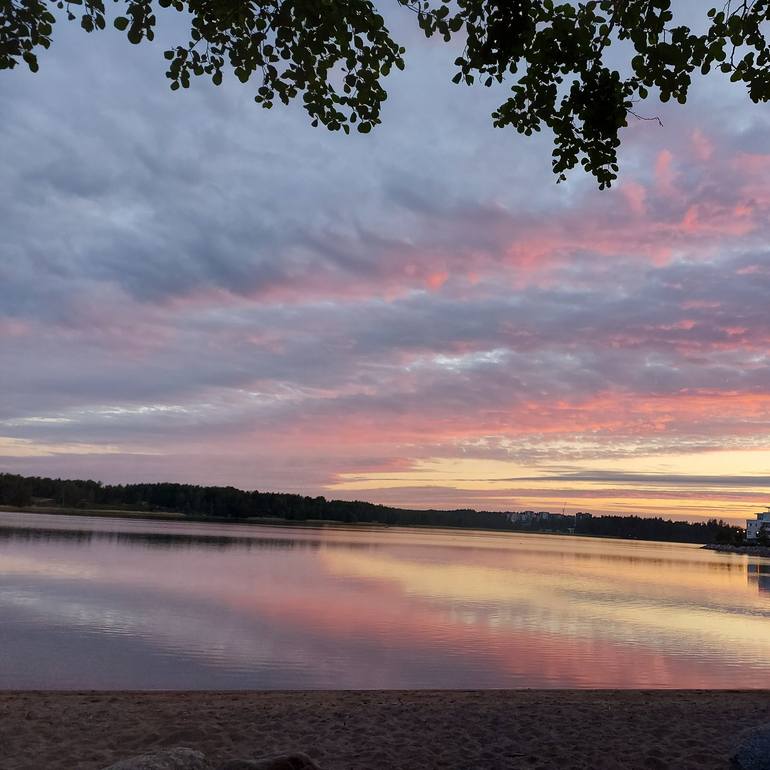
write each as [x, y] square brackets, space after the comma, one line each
[195, 289]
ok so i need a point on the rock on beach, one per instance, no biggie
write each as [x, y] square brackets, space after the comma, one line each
[754, 750]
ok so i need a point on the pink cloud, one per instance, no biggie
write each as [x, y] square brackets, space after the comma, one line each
[664, 174]
[703, 147]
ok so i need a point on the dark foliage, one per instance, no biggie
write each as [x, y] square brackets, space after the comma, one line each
[236, 504]
[333, 54]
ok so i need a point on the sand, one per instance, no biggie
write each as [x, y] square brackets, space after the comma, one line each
[384, 730]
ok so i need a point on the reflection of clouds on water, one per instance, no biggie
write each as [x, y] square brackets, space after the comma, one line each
[649, 609]
[759, 575]
[196, 605]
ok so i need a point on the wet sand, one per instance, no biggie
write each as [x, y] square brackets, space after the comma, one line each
[399, 730]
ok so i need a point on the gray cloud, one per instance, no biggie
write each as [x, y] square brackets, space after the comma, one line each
[184, 270]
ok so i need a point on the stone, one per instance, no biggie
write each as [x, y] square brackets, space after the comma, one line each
[754, 750]
[296, 761]
[178, 758]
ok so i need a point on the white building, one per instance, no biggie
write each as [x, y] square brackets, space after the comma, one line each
[755, 526]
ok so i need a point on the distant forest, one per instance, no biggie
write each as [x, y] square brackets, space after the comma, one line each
[229, 503]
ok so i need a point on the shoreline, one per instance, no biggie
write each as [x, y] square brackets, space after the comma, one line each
[742, 550]
[133, 514]
[116, 513]
[387, 730]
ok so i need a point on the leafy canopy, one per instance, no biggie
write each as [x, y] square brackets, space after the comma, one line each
[334, 54]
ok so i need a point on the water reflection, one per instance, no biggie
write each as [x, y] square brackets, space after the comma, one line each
[759, 575]
[163, 539]
[151, 539]
[116, 603]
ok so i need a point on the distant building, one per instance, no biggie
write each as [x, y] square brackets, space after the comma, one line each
[760, 524]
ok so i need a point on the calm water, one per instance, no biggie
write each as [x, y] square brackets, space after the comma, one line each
[99, 603]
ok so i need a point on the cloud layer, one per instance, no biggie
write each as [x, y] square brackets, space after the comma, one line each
[192, 288]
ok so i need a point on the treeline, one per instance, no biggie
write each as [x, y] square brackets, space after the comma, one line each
[639, 528]
[230, 503]
[636, 527]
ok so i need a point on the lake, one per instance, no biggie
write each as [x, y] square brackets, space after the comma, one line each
[96, 603]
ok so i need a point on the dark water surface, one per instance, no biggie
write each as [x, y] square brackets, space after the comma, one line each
[115, 603]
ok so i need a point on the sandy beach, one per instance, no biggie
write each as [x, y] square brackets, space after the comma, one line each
[385, 730]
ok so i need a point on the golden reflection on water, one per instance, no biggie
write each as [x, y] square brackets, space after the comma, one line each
[649, 600]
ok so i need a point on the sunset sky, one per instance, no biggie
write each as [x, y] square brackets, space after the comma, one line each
[196, 289]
